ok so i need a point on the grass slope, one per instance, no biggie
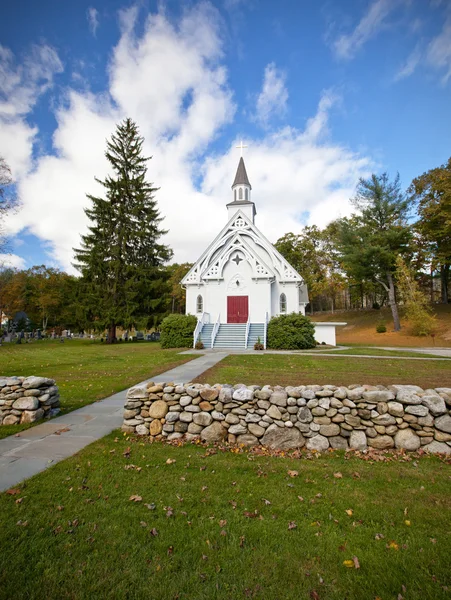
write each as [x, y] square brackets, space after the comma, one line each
[290, 369]
[85, 370]
[216, 525]
[361, 328]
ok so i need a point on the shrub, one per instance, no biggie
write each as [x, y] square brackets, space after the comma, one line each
[199, 343]
[258, 345]
[291, 332]
[177, 331]
[381, 327]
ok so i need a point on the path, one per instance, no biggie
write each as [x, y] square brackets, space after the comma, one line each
[42, 446]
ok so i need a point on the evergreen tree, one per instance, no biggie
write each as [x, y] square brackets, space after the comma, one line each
[121, 258]
[371, 240]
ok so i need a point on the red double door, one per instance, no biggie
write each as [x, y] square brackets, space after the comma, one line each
[237, 309]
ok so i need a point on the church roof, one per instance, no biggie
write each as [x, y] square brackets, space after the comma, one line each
[241, 177]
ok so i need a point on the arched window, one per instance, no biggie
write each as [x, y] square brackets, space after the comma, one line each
[283, 304]
[199, 304]
[234, 195]
[240, 195]
[246, 194]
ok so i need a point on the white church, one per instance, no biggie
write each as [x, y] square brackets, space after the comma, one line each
[241, 280]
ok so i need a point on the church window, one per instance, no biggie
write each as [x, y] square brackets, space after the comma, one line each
[200, 304]
[283, 304]
[246, 194]
[240, 195]
[234, 195]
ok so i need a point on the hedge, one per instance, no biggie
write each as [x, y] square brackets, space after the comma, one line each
[290, 332]
[177, 331]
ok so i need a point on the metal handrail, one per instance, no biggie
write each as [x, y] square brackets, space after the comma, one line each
[246, 337]
[265, 330]
[200, 323]
[215, 330]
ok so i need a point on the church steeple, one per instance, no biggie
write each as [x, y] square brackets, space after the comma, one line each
[241, 189]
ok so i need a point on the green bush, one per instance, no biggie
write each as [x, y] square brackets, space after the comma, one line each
[177, 331]
[291, 332]
[381, 327]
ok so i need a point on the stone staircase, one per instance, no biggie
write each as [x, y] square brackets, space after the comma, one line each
[232, 335]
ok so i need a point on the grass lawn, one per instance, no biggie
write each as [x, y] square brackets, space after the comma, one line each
[341, 370]
[378, 352]
[225, 525]
[86, 370]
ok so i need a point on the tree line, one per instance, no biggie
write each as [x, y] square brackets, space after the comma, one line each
[396, 245]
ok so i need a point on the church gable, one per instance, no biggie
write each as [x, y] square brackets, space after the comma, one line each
[240, 236]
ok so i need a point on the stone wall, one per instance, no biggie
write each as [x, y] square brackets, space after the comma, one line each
[319, 417]
[27, 399]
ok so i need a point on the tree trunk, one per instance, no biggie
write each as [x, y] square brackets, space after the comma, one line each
[112, 334]
[432, 285]
[444, 272]
[392, 302]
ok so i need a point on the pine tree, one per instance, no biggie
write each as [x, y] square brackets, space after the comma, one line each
[121, 258]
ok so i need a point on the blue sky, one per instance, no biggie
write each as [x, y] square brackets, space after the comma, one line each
[321, 92]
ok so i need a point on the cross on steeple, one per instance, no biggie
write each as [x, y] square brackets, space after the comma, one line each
[241, 147]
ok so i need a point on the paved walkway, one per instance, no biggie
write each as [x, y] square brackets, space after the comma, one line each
[42, 446]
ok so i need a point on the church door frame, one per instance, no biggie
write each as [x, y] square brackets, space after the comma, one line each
[237, 309]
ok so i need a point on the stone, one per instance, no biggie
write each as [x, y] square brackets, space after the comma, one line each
[357, 440]
[330, 430]
[318, 443]
[192, 391]
[317, 411]
[232, 419]
[263, 394]
[243, 394]
[256, 430]
[32, 392]
[155, 427]
[238, 429]
[209, 394]
[217, 416]
[324, 393]
[385, 420]
[203, 418]
[158, 409]
[247, 440]
[10, 420]
[175, 436]
[192, 408]
[206, 406]
[435, 404]
[438, 448]
[214, 432]
[417, 410]
[427, 421]
[396, 409]
[36, 382]
[171, 417]
[378, 396]
[354, 394]
[141, 430]
[442, 437]
[130, 413]
[281, 438]
[407, 439]
[274, 412]
[181, 427]
[154, 389]
[194, 428]
[405, 388]
[338, 443]
[30, 403]
[186, 417]
[443, 423]
[30, 416]
[279, 398]
[305, 415]
[381, 442]
[133, 404]
[352, 420]
[406, 397]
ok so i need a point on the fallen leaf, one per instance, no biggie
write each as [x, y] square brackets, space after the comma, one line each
[356, 562]
[378, 536]
[170, 550]
[406, 522]
[143, 524]
[135, 498]
[242, 538]
[293, 473]
[154, 532]
[338, 475]
[349, 512]
[301, 498]
[170, 461]
[13, 491]
[314, 595]
[393, 545]
[150, 506]
[349, 564]
[267, 502]
[19, 500]
[223, 532]
[292, 525]
[222, 523]
[250, 515]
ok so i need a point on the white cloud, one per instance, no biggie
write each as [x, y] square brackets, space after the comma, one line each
[11, 261]
[272, 100]
[347, 45]
[171, 79]
[438, 53]
[21, 85]
[412, 62]
[92, 14]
